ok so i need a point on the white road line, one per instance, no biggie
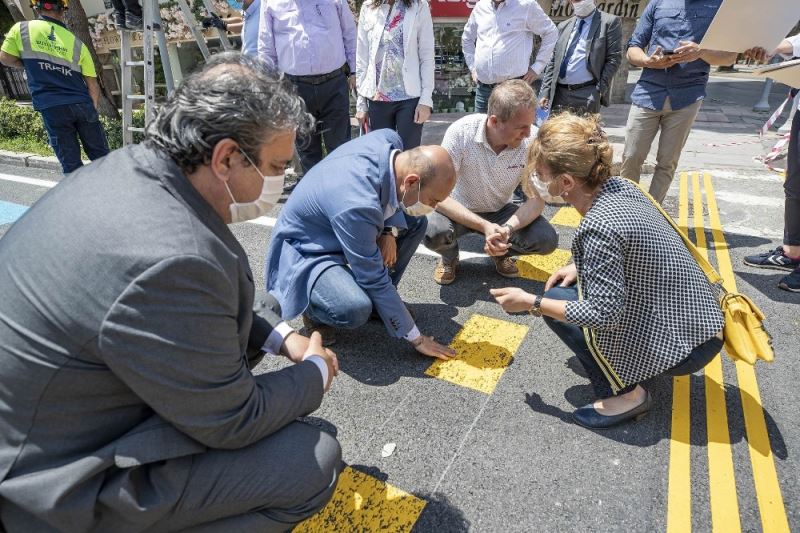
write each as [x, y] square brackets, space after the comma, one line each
[733, 175]
[749, 200]
[268, 222]
[29, 181]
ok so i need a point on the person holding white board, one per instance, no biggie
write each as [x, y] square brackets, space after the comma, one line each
[672, 86]
[786, 257]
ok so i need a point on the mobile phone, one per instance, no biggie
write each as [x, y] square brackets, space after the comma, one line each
[668, 52]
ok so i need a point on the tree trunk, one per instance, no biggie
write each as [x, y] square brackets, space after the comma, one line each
[16, 14]
[75, 18]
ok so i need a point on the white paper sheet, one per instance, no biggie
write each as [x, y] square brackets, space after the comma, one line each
[787, 72]
[743, 24]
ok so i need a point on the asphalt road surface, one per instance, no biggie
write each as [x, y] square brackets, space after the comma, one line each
[487, 443]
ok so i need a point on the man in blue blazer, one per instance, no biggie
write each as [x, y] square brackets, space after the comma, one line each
[348, 231]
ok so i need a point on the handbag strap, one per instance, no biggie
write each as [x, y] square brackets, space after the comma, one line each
[712, 275]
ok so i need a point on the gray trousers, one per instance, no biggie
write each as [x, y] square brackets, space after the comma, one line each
[580, 101]
[442, 235]
[268, 486]
[643, 124]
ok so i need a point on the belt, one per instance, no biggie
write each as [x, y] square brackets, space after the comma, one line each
[493, 85]
[318, 79]
[577, 85]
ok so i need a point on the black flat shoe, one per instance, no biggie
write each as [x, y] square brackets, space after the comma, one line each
[588, 417]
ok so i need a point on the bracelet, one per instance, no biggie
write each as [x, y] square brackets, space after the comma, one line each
[536, 308]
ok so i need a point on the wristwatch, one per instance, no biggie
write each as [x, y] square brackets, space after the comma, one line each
[390, 231]
[509, 226]
[536, 308]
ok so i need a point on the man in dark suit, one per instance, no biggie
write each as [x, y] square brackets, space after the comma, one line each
[127, 317]
[587, 55]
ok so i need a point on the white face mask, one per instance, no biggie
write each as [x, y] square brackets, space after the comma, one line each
[270, 194]
[418, 209]
[544, 190]
[583, 8]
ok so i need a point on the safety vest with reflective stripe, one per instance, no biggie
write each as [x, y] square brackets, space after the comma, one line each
[55, 61]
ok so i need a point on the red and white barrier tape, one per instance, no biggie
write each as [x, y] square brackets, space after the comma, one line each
[738, 143]
[776, 115]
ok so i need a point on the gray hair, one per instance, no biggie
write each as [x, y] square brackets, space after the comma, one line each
[509, 96]
[233, 96]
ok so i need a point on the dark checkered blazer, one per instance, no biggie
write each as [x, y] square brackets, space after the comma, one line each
[644, 302]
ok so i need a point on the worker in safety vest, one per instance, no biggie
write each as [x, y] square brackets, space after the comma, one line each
[62, 81]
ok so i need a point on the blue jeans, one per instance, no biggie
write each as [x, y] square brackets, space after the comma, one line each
[336, 298]
[482, 93]
[573, 337]
[65, 124]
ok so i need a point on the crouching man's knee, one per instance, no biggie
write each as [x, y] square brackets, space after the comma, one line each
[540, 237]
[316, 480]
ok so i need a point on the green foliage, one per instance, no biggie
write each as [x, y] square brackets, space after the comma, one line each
[22, 126]
[6, 20]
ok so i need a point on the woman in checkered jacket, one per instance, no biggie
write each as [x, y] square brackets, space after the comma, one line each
[634, 304]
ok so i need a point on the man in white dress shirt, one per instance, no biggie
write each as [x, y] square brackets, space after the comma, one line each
[587, 55]
[498, 42]
[489, 153]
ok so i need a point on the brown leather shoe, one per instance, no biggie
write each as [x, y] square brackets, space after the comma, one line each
[445, 273]
[506, 266]
[328, 332]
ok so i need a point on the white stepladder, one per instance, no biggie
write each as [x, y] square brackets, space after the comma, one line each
[153, 28]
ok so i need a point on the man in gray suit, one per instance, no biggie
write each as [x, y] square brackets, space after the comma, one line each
[587, 55]
[128, 333]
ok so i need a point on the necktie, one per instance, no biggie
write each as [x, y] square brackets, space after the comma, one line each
[563, 71]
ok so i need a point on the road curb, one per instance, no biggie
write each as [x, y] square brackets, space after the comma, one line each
[13, 158]
[45, 162]
[24, 159]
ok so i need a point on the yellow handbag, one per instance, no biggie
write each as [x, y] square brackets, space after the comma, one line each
[744, 334]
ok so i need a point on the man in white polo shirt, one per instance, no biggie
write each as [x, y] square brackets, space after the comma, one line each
[489, 153]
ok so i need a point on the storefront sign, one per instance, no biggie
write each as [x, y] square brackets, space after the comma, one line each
[558, 9]
[625, 9]
[452, 8]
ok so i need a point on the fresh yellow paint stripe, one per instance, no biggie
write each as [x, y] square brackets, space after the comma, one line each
[567, 216]
[364, 504]
[721, 478]
[679, 492]
[540, 267]
[484, 347]
[765, 477]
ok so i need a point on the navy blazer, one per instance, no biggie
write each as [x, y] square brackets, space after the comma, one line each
[334, 217]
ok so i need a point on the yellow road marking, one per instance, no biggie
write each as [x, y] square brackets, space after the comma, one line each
[765, 477]
[567, 216]
[679, 492]
[721, 478]
[540, 267]
[365, 504]
[485, 346]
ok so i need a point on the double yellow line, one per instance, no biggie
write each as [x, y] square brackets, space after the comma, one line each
[723, 498]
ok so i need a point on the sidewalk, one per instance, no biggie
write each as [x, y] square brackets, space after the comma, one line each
[726, 117]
